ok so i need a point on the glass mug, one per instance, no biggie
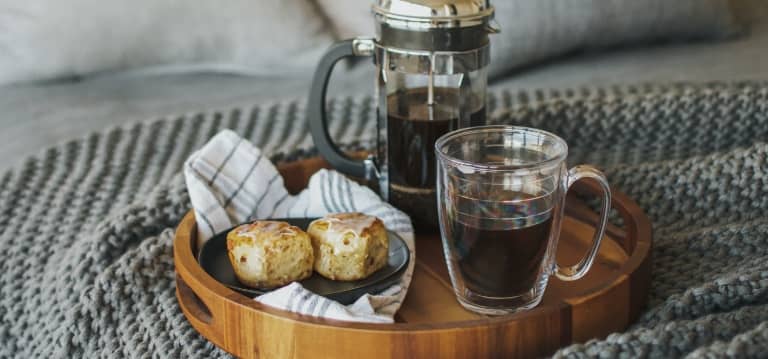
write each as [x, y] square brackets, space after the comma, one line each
[502, 193]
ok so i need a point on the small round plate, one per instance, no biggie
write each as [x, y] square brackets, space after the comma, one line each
[214, 261]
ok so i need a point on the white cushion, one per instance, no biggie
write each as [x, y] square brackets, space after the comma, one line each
[536, 30]
[44, 39]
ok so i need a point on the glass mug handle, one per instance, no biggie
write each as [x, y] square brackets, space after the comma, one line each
[316, 114]
[578, 270]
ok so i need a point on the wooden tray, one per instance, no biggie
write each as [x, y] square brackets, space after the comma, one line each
[431, 323]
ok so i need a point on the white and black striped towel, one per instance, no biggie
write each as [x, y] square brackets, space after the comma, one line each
[230, 182]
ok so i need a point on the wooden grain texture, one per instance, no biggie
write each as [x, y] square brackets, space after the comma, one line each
[431, 324]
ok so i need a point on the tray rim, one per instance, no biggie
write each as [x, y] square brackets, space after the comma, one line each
[189, 274]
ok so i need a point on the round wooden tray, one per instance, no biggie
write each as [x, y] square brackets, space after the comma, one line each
[431, 323]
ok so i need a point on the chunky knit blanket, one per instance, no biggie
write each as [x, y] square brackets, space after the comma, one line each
[86, 227]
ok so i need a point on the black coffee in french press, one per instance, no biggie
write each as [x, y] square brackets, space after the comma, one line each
[431, 58]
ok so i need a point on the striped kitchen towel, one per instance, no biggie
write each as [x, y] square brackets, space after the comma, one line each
[231, 182]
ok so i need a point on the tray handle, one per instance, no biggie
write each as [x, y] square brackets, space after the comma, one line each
[193, 304]
[197, 311]
[194, 288]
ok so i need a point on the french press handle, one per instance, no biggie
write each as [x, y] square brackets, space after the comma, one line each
[317, 117]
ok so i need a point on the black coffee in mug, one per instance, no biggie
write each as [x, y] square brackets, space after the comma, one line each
[501, 242]
[413, 126]
[502, 263]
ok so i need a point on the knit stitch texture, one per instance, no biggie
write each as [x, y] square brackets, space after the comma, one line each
[86, 227]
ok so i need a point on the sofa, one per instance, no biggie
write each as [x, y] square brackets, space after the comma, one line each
[35, 115]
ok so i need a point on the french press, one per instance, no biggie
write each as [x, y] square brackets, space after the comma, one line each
[431, 58]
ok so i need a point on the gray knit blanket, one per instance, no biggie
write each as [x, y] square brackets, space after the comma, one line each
[86, 227]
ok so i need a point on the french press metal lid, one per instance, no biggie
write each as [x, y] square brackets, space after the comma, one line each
[434, 25]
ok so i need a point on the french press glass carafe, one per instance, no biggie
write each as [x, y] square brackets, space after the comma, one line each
[431, 58]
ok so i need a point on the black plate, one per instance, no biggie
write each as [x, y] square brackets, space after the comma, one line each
[214, 260]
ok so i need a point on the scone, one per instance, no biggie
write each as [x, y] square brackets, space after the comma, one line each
[269, 254]
[349, 246]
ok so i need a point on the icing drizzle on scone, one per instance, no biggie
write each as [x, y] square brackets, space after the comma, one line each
[271, 229]
[355, 222]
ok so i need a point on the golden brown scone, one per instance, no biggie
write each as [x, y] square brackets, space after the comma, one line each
[268, 254]
[349, 246]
